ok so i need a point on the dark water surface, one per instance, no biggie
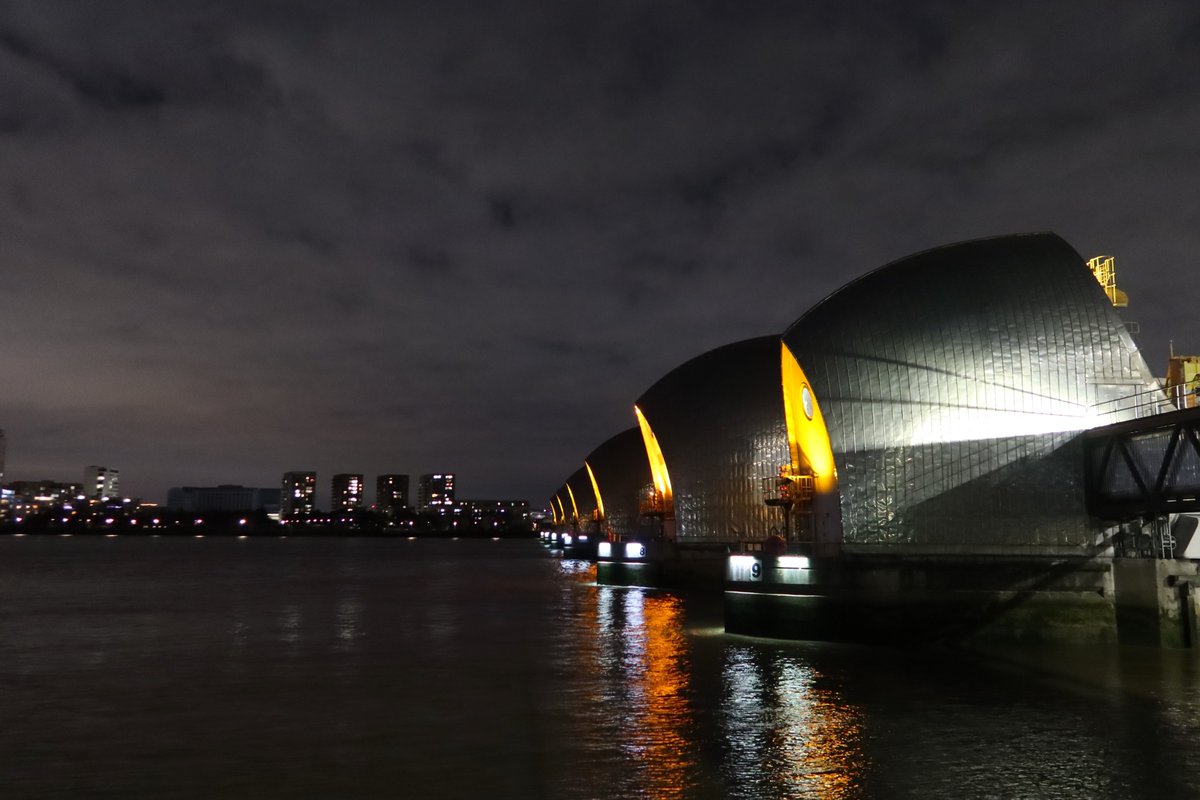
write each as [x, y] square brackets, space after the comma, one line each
[228, 668]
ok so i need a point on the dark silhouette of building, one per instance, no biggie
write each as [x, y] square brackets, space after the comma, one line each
[493, 513]
[391, 494]
[226, 498]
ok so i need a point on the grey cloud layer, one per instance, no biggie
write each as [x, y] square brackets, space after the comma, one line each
[420, 236]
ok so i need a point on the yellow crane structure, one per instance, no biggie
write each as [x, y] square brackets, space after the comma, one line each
[1105, 270]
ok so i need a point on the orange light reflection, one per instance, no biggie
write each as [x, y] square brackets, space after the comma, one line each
[656, 668]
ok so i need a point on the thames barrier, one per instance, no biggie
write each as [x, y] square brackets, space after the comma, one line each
[963, 445]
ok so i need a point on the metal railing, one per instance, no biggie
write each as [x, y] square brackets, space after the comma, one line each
[1144, 403]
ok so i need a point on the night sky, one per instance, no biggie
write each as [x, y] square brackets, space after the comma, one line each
[243, 238]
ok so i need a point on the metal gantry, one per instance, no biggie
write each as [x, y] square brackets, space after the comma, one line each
[1144, 467]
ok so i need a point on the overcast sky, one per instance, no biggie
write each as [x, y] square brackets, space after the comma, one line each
[239, 238]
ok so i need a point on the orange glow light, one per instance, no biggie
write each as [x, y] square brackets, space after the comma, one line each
[595, 489]
[808, 439]
[574, 507]
[658, 464]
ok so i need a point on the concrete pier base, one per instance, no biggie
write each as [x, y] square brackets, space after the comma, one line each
[876, 597]
[911, 600]
[666, 565]
[1156, 601]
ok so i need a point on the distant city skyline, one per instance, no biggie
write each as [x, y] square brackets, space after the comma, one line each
[107, 480]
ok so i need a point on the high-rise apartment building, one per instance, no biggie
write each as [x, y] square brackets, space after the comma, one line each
[435, 491]
[297, 494]
[101, 483]
[391, 494]
[346, 492]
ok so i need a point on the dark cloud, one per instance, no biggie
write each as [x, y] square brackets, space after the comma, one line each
[244, 238]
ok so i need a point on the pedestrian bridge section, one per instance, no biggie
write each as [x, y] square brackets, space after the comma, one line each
[1144, 467]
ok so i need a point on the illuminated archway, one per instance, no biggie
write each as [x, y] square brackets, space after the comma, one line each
[561, 515]
[811, 453]
[808, 439]
[658, 464]
[595, 490]
[574, 506]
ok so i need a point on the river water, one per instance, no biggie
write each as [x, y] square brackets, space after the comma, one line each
[352, 668]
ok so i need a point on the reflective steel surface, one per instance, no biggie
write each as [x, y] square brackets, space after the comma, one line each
[151, 668]
[719, 420]
[621, 471]
[953, 382]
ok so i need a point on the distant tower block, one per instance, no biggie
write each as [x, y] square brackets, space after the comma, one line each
[101, 483]
[347, 492]
[435, 491]
[297, 494]
[1105, 270]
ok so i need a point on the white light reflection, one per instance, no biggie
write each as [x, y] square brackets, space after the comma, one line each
[786, 726]
[604, 613]
[349, 622]
[289, 621]
[940, 425]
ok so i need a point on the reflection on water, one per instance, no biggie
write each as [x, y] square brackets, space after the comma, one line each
[785, 734]
[289, 623]
[349, 621]
[147, 668]
[788, 737]
[655, 669]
